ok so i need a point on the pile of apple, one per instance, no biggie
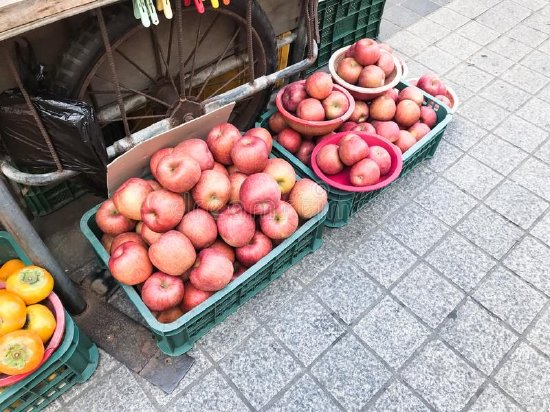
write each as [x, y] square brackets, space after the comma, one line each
[368, 164]
[434, 86]
[315, 100]
[366, 64]
[215, 208]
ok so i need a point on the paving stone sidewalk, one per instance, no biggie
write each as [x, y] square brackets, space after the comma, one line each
[433, 298]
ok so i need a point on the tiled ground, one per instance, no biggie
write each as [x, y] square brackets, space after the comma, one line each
[435, 297]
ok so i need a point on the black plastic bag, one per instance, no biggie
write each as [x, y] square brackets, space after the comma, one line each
[73, 130]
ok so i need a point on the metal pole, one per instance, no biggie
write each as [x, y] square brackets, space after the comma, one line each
[15, 221]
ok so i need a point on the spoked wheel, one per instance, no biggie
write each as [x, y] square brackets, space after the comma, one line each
[153, 87]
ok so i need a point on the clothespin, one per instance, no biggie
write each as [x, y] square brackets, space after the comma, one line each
[215, 3]
[152, 12]
[142, 12]
[167, 8]
[226, 2]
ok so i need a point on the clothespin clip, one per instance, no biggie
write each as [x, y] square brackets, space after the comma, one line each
[215, 3]
[152, 11]
[226, 2]
[142, 12]
[167, 8]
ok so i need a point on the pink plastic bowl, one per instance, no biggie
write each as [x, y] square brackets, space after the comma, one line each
[341, 180]
[311, 128]
[54, 304]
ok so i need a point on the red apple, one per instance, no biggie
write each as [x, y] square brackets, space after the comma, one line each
[281, 223]
[419, 130]
[235, 226]
[262, 134]
[126, 237]
[218, 167]
[193, 297]
[154, 184]
[371, 77]
[162, 210]
[178, 173]
[328, 160]
[161, 291]
[277, 123]
[224, 249]
[290, 140]
[407, 113]
[428, 116]
[389, 130]
[200, 227]
[347, 126]
[307, 198]
[319, 85]
[197, 150]
[236, 180]
[366, 52]
[335, 105]
[282, 172]
[220, 141]
[360, 113]
[311, 109]
[110, 221]
[292, 96]
[444, 99]
[382, 158]
[349, 70]
[385, 46]
[211, 272]
[173, 253]
[382, 108]
[157, 156]
[412, 93]
[386, 63]
[259, 194]
[213, 190]
[352, 148]
[431, 84]
[148, 235]
[129, 264]
[364, 127]
[258, 247]
[170, 315]
[364, 173]
[405, 141]
[129, 197]
[393, 94]
[304, 152]
[238, 270]
[350, 52]
[250, 154]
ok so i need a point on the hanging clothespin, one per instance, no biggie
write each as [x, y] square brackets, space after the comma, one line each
[142, 12]
[152, 12]
[215, 3]
[167, 9]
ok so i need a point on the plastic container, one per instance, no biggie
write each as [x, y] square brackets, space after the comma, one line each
[179, 336]
[314, 128]
[343, 22]
[43, 200]
[74, 361]
[342, 204]
[365, 93]
[342, 181]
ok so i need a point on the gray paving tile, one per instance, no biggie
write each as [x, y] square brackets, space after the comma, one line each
[382, 257]
[460, 90]
[516, 204]
[265, 305]
[521, 133]
[478, 32]
[446, 201]
[535, 176]
[544, 152]
[421, 7]
[398, 398]
[538, 61]
[482, 112]
[527, 35]
[526, 377]
[312, 265]
[416, 180]
[437, 60]
[538, 21]
[530, 259]
[478, 336]
[542, 229]
[407, 43]
[305, 327]
[510, 47]
[504, 16]
[212, 393]
[351, 373]
[385, 205]
[345, 238]
[442, 378]
[260, 369]
[492, 151]
[490, 61]
[346, 290]
[459, 46]
[525, 78]
[460, 261]
[54, 406]
[534, 4]
[416, 69]
[505, 95]
[490, 231]
[544, 94]
[540, 334]
[304, 395]
[428, 30]
[449, 18]
[472, 176]
[491, 399]
[469, 76]
[446, 155]
[116, 391]
[416, 228]
[510, 298]
[545, 46]
[469, 8]
[392, 332]
[536, 111]
[387, 29]
[401, 16]
[428, 295]
[463, 133]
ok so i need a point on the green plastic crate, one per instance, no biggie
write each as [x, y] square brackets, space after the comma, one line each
[342, 205]
[178, 337]
[74, 361]
[343, 22]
